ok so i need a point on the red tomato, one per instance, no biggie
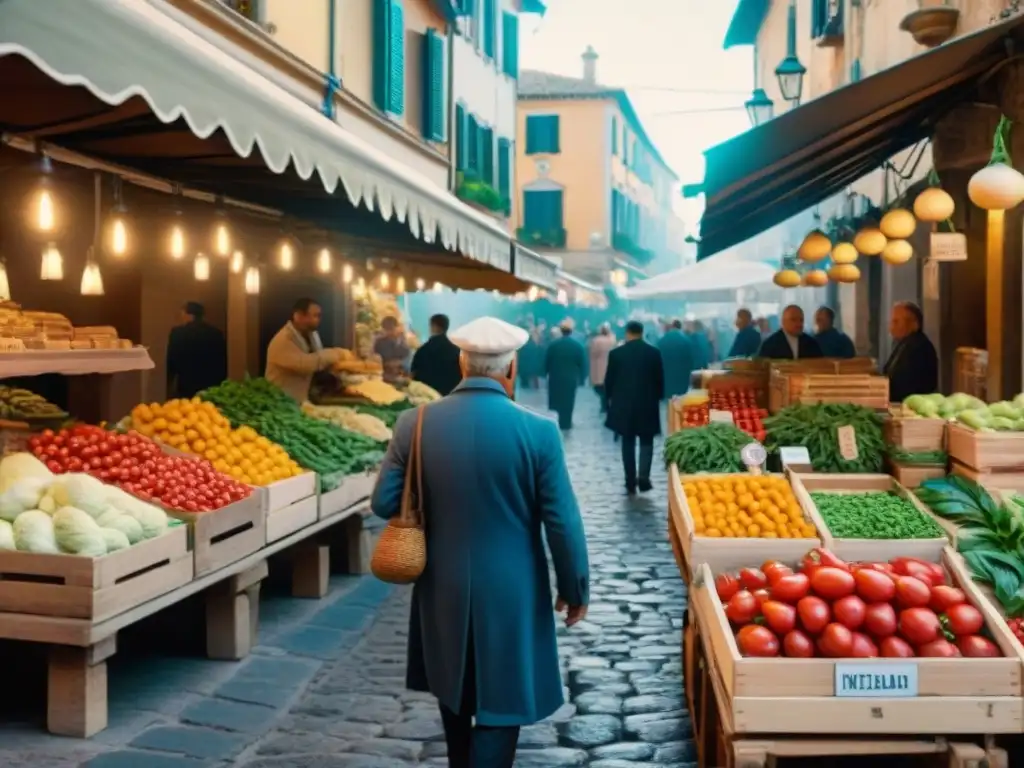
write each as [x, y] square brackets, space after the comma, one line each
[726, 586]
[832, 583]
[939, 648]
[978, 647]
[754, 640]
[849, 611]
[863, 647]
[761, 595]
[780, 618]
[943, 598]
[963, 619]
[925, 574]
[911, 592]
[880, 620]
[912, 566]
[874, 586]
[791, 588]
[895, 648]
[814, 614]
[741, 608]
[752, 578]
[919, 625]
[797, 645]
[836, 641]
[819, 557]
[774, 570]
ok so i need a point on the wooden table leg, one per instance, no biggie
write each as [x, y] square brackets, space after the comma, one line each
[76, 697]
[359, 544]
[311, 569]
[232, 614]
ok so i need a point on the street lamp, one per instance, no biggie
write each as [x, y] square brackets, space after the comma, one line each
[760, 109]
[790, 71]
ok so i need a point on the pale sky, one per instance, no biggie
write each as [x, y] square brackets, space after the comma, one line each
[646, 46]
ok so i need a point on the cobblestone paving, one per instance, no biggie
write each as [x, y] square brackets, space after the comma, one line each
[325, 687]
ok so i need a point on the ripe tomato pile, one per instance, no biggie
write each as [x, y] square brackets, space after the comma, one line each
[742, 403]
[834, 609]
[136, 464]
[1017, 627]
[695, 415]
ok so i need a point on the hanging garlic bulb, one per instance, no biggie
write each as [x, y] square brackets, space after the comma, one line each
[92, 279]
[323, 261]
[201, 267]
[252, 281]
[52, 266]
[237, 262]
[5, 284]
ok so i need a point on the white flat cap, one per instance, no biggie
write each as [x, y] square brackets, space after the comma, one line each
[489, 336]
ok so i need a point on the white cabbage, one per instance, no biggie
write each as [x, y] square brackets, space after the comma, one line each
[78, 533]
[114, 539]
[20, 496]
[6, 535]
[47, 504]
[119, 521]
[80, 491]
[19, 466]
[33, 532]
[152, 519]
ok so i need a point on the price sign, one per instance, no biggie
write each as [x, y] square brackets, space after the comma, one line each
[754, 456]
[875, 680]
[720, 417]
[948, 246]
[795, 456]
[847, 437]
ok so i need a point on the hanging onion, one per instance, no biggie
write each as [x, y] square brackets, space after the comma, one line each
[787, 278]
[815, 247]
[870, 241]
[897, 252]
[844, 253]
[996, 187]
[898, 224]
[934, 204]
[816, 278]
[844, 273]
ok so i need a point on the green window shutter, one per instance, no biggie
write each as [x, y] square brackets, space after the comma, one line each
[434, 103]
[510, 44]
[381, 53]
[489, 21]
[396, 59]
[505, 168]
[542, 210]
[533, 131]
[542, 134]
[461, 130]
[553, 145]
[487, 155]
[473, 145]
[615, 136]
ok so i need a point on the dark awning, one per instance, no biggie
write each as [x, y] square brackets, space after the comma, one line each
[776, 170]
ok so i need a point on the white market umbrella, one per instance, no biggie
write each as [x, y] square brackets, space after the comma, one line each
[712, 280]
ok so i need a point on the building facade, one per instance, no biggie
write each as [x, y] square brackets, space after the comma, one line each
[593, 191]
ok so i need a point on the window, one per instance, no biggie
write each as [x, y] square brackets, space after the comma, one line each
[461, 133]
[473, 145]
[542, 211]
[490, 26]
[389, 56]
[434, 103]
[505, 168]
[487, 155]
[615, 135]
[541, 134]
[510, 44]
[625, 147]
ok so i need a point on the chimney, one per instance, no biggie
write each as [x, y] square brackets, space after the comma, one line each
[590, 65]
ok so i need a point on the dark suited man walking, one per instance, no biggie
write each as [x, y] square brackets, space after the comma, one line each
[635, 387]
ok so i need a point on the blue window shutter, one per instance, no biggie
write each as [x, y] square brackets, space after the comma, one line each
[510, 44]
[487, 155]
[615, 136]
[553, 145]
[434, 103]
[625, 148]
[396, 59]
[533, 129]
[489, 21]
[461, 129]
[505, 168]
[473, 146]
[542, 134]
[542, 210]
[555, 209]
[381, 53]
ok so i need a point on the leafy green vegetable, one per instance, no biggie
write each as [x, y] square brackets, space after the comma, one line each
[816, 428]
[875, 515]
[713, 448]
[919, 458]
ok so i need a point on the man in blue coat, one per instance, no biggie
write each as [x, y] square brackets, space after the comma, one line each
[748, 337]
[833, 342]
[481, 631]
[676, 359]
[566, 367]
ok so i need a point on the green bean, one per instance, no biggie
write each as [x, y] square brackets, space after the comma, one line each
[878, 515]
[712, 448]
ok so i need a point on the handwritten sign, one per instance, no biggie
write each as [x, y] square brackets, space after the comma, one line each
[948, 246]
[847, 443]
[795, 455]
[876, 680]
[720, 417]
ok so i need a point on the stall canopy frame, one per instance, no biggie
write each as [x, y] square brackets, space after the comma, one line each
[776, 170]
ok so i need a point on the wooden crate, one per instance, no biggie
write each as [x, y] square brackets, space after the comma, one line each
[724, 554]
[71, 586]
[225, 535]
[284, 493]
[991, 479]
[985, 450]
[912, 475]
[865, 549]
[792, 388]
[353, 489]
[915, 435]
[797, 696]
[287, 520]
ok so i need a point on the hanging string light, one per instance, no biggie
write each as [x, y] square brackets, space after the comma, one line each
[533, 293]
[400, 285]
[201, 267]
[118, 224]
[177, 239]
[221, 231]
[92, 280]
[252, 281]
[385, 281]
[346, 274]
[420, 284]
[323, 261]
[43, 213]
[52, 267]
[237, 262]
[359, 289]
[5, 284]
[286, 255]
[438, 287]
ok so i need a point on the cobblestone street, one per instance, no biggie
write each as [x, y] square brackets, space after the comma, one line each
[325, 687]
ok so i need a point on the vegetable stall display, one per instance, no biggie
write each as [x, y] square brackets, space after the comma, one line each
[738, 506]
[711, 448]
[819, 428]
[349, 418]
[317, 445]
[873, 515]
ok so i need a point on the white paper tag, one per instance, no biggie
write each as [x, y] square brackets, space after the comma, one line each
[876, 680]
[795, 455]
[847, 443]
[720, 417]
[948, 246]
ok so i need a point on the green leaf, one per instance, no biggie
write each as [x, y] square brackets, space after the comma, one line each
[959, 500]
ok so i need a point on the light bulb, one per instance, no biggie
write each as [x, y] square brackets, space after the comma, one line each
[438, 287]
[286, 257]
[346, 274]
[252, 281]
[201, 267]
[92, 280]
[237, 262]
[222, 239]
[44, 211]
[532, 294]
[5, 284]
[400, 285]
[323, 261]
[177, 242]
[119, 237]
[420, 284]
[52, 267]
[384, 281]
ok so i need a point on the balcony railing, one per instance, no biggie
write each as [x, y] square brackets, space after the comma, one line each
[541, 238]
[625, 244]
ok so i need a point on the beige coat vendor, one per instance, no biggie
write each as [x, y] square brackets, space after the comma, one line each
[296, 353]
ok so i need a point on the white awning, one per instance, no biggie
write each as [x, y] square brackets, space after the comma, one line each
[119, 49]
[531, 267]
[705, 280]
